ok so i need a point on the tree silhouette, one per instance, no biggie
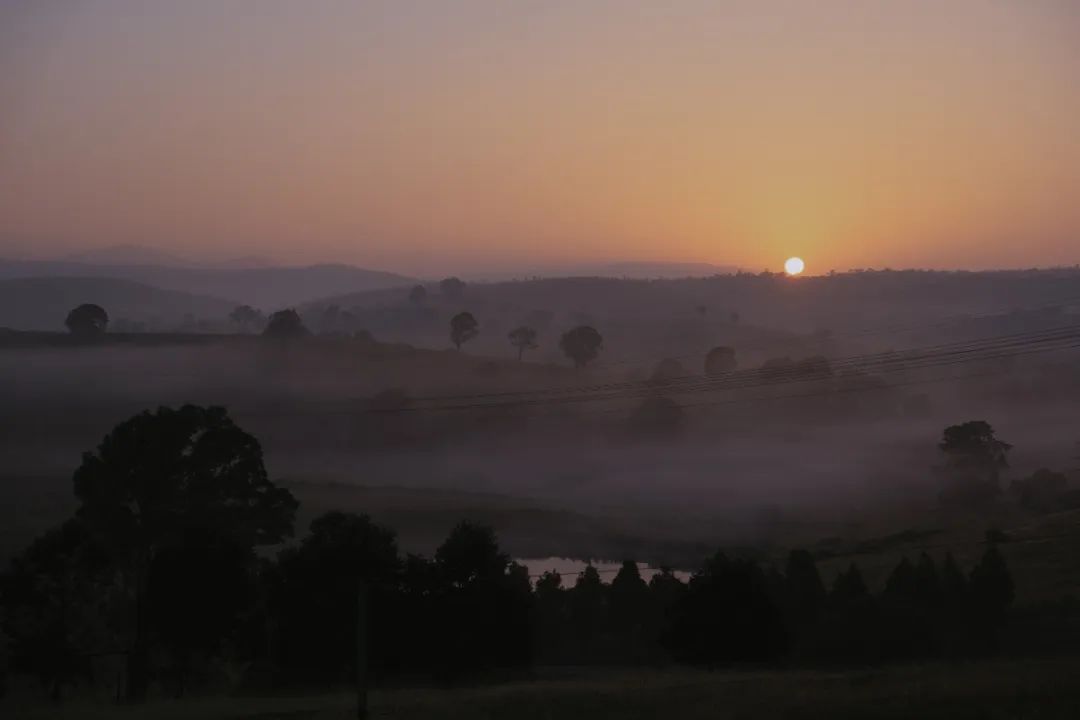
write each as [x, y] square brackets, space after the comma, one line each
[196, 594]
[418, 294]
[552, 618]
[973, 458]
[170, 479]
[849, 631]
[991, 585]
[471, 552]
[720, 360]
[317, 593]
[805, 591]
[630, 611]
[87, 321]
[285, 325]
[928, 591]
[849, 588]
[485, 602]
[901, 586]
[954, 585]
[452, 288]
[55, 598]
[246, 318]
[581, 344]
[589, 614]
[727, 616]
[523, 338]
[463, 328]
[1041, 492]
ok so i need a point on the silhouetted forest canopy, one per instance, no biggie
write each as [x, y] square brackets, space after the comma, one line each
[159, 567]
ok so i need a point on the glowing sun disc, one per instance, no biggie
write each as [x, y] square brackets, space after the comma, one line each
[794, 265]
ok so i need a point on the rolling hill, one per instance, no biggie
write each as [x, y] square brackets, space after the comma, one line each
[43, 303]
[268, 288]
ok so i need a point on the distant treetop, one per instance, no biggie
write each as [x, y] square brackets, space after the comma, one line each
[87, 320]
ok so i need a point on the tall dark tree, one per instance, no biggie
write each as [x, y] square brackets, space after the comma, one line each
[629, 594]
[954, 585]
[523, 338]
[471, 552]
[170, 479]
[56, 598]
[581, 344]
[928, 590]
[901, 587]
[850, 632]
[486, 603]
[991, 585]
[285, 325]
[727, 616]
[805, 590]
[463, 328]
[589, 615]
[316, 597]
[849, 588]
[87, 321]
[974, 457]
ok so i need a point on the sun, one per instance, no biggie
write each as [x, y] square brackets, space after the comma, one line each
[794, 265]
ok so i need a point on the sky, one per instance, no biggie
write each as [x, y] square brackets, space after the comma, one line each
[469, 135]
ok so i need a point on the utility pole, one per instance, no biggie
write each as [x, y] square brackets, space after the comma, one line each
[362, 651]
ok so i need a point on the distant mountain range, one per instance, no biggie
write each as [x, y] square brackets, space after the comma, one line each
[637, 270]
[141, 256]
[267, 288]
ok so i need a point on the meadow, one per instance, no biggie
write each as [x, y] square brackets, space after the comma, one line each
[986, 690]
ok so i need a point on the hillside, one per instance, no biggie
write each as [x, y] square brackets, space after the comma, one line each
[43, 303]
[763, 316]
[268, 288]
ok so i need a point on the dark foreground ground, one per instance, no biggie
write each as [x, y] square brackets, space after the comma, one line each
[987, 689]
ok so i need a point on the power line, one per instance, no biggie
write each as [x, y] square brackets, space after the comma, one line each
[988, 348]
[866, 332]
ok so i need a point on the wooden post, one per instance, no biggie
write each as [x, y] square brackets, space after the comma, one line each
[362, 652]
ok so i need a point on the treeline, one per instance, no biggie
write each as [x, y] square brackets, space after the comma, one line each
[470, 610]
[160, 569]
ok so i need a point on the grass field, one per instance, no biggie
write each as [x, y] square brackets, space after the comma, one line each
[988, 689]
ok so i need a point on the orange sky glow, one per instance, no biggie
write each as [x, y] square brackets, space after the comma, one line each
[428, 136]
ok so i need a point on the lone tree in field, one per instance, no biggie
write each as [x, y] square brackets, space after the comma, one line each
[720, 360]
[176, 480]
[581, 344]
[974, 458]
[523, 338]
[246, 318]
[452, 288]
[285, 325]
[418, 295]
[87, 321]
[463, 328]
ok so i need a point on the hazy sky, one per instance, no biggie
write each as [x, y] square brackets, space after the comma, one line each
[455, 135]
